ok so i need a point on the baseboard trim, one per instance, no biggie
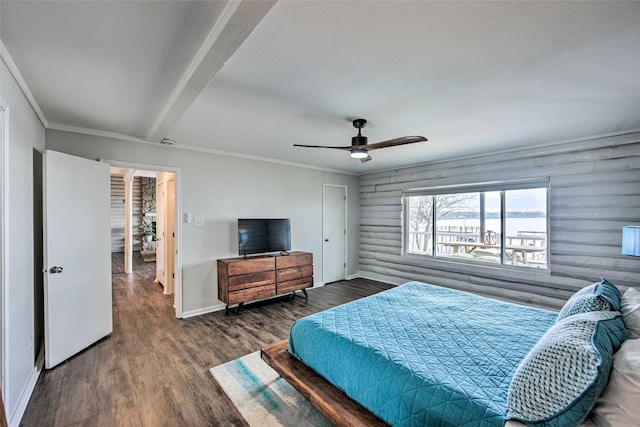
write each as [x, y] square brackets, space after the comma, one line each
[352, 276]
[16, 417]
[382, 278]
[201, 311]
[219, 307]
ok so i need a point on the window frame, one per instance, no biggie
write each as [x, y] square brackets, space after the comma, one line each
[492, 186]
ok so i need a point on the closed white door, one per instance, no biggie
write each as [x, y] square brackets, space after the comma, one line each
[77, 254]
[334, 230]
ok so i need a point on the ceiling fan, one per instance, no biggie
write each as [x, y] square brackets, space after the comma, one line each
[360, 149]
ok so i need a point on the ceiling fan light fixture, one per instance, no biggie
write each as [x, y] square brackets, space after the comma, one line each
[359, 153]
[360, 147]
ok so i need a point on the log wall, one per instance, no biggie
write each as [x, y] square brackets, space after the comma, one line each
[594, 191]
[117, 213]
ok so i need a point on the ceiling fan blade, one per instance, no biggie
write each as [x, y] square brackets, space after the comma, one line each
[348, 147]
[366, 159]
[396, 141]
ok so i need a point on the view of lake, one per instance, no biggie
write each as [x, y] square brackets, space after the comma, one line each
[513, 224]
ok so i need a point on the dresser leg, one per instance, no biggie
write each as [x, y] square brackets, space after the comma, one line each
[226, 309]
[238, 308]
[306, 296]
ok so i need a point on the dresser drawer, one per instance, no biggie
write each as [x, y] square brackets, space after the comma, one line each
[293, 260]
[295, 285]
[252, 293]
[251, 280]
[250, 265]
[291, 273]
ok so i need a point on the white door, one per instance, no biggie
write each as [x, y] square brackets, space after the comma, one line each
[161, 207]
[77, 254]
[334, 229]
[169, 237]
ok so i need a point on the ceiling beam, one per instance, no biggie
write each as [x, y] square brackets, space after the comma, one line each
[237, 21]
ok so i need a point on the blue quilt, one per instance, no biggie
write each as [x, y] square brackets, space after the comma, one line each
[422, 355]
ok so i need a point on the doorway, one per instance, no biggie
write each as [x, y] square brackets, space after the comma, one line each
[149, 231]
[334, 231]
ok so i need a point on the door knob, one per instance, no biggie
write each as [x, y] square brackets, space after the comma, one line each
[54, 270]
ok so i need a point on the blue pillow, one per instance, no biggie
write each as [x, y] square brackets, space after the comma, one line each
[559, 381]
[602, 295]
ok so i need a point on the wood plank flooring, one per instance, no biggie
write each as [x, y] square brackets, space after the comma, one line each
[154, 369]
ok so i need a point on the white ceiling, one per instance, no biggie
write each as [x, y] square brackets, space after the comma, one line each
[473, 77]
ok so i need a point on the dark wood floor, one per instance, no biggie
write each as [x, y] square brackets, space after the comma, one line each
[154, 369]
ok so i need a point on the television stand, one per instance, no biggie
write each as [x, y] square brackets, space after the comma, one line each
[242, 280]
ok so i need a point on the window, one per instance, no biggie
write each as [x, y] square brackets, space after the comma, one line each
[493, 223]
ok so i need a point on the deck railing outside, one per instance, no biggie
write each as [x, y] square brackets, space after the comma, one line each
[420, 242]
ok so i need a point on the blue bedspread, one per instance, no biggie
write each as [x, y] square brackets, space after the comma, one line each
[422, 355]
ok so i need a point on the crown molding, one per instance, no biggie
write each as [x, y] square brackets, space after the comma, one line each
[95, 132]
[622, 137]
[22, 84]
[188, 147]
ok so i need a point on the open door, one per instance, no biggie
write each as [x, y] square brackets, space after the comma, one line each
[160, 225]
[77, 254]
[170, 237]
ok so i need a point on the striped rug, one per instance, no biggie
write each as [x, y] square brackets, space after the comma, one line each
[262, 397]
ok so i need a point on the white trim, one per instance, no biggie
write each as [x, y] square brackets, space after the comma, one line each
[177, 219]
[96, 132]
[4, 244]
[346, 227]
[260, 159]
[15, 418]
[215, 32]
[202, 311]
[352, 276]
[22, 84]
[632, 133]
[123, 137]
[382, 278]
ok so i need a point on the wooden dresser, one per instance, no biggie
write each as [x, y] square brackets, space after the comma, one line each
[241, 280]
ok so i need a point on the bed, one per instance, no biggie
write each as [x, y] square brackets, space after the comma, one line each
[416, 354]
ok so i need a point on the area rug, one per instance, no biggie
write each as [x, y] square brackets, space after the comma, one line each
[262, 397]
[148, 256]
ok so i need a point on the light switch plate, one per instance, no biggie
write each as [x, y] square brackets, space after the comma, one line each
[199, 220]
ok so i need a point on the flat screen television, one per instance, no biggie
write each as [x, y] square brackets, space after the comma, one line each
[258, 236]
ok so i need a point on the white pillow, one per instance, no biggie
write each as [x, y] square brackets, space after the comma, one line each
[618, 405]
[630, 308]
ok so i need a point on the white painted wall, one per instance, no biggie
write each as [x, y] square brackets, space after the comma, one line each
[25, 134]
[222, 189]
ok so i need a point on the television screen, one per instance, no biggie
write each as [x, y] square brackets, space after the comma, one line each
[257, 236]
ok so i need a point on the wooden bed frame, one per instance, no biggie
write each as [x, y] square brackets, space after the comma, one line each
[333, 403]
